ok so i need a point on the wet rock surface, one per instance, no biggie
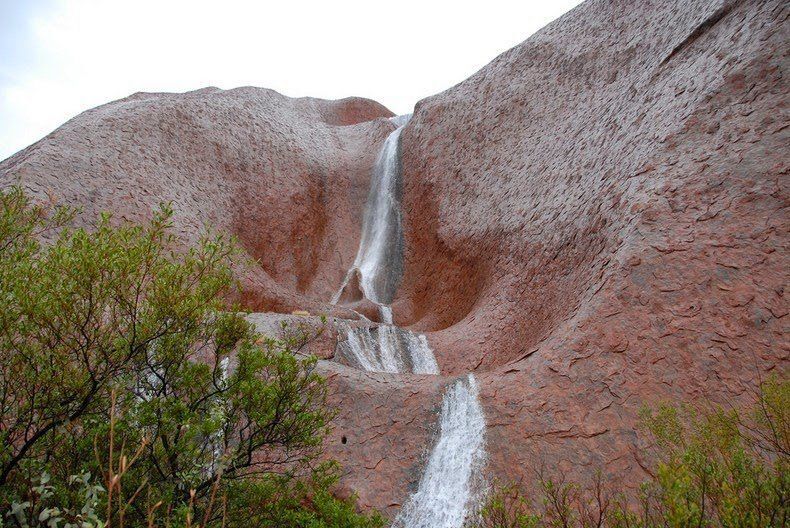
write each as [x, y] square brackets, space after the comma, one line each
[594, 221]
[597, 220]
[288, 177]
[308, 334]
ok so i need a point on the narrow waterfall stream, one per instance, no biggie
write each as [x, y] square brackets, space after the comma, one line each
[379, 260]
[378, 268]
[450, 488]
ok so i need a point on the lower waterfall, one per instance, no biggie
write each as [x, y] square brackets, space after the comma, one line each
[452, 483]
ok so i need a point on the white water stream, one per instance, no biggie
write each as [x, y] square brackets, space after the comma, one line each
[380, 254]
[387, 348]
[452, 484]
[450, 488]
[378, 267]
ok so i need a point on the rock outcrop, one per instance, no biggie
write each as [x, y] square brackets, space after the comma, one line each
[594, 221]
[285, 176]
[598, 219]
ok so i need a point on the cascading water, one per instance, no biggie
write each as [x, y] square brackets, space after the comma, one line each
[379, 260]
[450, 488]
[386, 313]
[387, 348]
[378, 267]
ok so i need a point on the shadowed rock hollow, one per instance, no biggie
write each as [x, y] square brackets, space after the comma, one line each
[594, 221]
[286, 176]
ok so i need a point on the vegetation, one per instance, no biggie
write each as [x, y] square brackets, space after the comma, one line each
[132, 392]
[719, 468]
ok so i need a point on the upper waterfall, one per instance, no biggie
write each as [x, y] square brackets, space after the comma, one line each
[379, 259]
[378, 263]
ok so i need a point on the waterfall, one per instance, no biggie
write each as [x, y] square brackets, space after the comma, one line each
[422, 358]
[450, 488]
[379, 259]
[386, 314]
[451, 485]
[378, 268]
[400, 120]
[387, 348]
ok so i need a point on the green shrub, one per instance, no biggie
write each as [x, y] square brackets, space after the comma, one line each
[714, 468]
[121, 357]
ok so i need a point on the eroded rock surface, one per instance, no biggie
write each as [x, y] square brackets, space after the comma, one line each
[598, 219]
[288, 177]
[594, 221]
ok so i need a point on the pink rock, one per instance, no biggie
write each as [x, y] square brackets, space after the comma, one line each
[594, 221]
[288, 177]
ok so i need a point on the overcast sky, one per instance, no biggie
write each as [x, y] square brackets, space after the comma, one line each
[60, 57]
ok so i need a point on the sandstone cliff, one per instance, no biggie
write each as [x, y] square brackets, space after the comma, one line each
[286, 176]
[595, 220]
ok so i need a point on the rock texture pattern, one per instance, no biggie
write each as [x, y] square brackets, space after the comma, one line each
[596, 220]
[288, 177]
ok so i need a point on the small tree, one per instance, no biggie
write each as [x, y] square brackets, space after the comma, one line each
[83, 314]
[721, 467]
[113, 343]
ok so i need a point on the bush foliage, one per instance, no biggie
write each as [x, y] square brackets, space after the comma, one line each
[713, 468]
[132, 393]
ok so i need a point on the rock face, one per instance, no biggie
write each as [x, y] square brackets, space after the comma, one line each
[598, 219]
[594, 221]
[286, 176]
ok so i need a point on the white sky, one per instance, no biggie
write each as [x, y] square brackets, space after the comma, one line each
[60, 57]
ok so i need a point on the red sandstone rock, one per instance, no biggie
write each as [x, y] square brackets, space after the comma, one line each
[595, 220]
[598, 219]
[288, 177]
